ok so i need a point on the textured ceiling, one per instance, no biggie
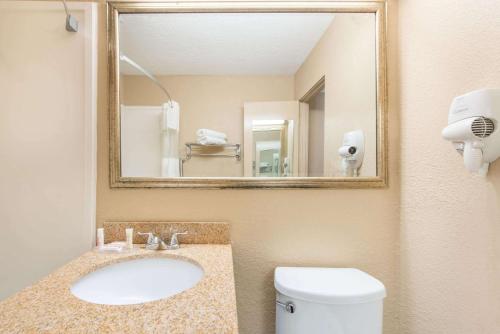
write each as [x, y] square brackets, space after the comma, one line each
[220, 44]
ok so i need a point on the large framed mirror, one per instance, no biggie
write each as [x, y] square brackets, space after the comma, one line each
[248, 94]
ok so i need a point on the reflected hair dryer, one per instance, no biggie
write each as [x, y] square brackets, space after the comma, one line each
[352, 152]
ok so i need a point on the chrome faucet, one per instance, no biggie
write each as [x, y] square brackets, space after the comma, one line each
[174, 242]
[154, 242]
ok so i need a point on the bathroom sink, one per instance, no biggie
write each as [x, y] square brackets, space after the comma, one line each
[137, 281]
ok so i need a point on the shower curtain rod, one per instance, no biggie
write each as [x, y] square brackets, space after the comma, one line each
[126, 59]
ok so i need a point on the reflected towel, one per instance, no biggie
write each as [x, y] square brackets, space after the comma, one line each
[170, 116]
[170, 167]
[209, 140]
[210, 133]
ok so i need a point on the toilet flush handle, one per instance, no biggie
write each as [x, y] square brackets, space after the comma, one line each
[288, 306]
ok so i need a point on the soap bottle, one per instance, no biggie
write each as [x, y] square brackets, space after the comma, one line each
[100, 237]
[129, 234]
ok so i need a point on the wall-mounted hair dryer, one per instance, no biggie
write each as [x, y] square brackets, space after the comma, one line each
[352, 152]
[472, 128]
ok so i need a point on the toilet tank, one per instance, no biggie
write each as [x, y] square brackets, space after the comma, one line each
[327, 301]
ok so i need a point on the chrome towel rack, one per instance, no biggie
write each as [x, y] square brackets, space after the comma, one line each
[200, 150]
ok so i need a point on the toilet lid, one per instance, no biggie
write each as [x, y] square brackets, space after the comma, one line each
[328, 285]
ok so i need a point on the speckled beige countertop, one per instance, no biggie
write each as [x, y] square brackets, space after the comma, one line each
[49, 307]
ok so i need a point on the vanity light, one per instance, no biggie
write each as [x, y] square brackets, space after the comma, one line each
[268, 122]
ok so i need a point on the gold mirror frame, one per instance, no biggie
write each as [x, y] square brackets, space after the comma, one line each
[114, 8]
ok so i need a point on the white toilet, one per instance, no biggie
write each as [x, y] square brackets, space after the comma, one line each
[327, 301]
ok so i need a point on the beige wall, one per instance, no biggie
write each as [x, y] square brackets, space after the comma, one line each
[272, 227]
[46, 162]
[316, 135]
[345, 55]
[214, 102]
[450, 238]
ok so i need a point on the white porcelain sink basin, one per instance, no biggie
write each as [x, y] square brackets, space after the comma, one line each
[137, 281]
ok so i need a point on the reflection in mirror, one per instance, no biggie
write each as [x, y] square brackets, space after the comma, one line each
[248, 95]
[271, 155]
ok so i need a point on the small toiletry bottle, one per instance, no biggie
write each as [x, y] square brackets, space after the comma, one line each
[129, 233]
[100, 237]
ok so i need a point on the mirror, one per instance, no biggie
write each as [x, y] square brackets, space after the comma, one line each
[251, 97]
[271, 154]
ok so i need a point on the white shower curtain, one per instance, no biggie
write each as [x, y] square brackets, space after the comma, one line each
[170, 162]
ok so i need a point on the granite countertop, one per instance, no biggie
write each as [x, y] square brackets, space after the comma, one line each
[49, 307]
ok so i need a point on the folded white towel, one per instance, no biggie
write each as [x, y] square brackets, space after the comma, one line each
[209, 140]
[210, 133]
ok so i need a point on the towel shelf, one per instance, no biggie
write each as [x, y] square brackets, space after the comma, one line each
[196, 150]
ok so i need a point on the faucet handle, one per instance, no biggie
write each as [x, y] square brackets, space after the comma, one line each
[174, 242]
[175, 234]
[150, 235]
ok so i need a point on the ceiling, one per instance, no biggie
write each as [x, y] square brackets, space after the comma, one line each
[220, 43]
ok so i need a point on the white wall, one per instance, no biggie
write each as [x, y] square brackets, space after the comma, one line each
[141, 138]
[47, 140]
[450, 219]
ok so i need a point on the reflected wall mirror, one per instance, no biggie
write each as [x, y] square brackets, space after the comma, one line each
[247, 95]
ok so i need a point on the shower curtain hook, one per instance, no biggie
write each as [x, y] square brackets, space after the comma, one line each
[71, 22]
